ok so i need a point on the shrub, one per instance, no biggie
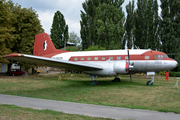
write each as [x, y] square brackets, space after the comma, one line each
[174, 74]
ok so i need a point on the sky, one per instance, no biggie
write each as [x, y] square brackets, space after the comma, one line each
[69, 8]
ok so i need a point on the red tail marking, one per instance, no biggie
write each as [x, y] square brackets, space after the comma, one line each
[43, 46]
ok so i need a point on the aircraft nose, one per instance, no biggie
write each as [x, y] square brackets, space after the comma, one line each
[174, 63]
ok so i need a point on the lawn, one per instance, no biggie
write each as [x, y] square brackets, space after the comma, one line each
[159, 97]
[11, 112]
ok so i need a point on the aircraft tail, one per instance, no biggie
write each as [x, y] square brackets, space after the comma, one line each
[43, 46]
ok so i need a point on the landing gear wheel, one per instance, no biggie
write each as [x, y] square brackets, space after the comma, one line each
[94, 83]
[116, 80]
[8, 74]
[148, 83]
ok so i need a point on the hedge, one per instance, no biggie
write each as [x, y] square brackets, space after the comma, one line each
[174, 74]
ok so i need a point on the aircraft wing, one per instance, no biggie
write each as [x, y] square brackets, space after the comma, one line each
[53, 63]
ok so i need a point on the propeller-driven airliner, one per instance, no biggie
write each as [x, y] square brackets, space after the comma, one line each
[96, 63]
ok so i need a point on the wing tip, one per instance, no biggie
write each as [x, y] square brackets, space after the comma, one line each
[13, 55]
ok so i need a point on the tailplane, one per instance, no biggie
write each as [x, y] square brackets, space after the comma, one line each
[43, 46]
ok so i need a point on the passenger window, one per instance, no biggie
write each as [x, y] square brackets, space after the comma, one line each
[75, 59]
[89, 58]
[126, 58]
[103, 58]
[111, 58]
[82, 58]
[146, 57]
[95, 58]
[118, 58]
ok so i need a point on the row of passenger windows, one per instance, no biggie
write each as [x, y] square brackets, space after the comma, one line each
[104, 58]
[97, 58]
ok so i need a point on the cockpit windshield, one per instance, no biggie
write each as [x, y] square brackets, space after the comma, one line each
[166, 56]
[160, 57]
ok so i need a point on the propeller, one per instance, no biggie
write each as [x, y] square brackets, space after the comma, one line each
[129, 66]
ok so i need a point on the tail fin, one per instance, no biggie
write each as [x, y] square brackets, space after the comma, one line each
[43, 46]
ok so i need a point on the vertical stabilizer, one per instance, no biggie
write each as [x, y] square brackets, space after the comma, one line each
[43, 46]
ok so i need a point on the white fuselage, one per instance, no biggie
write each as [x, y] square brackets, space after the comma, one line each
[114, 61]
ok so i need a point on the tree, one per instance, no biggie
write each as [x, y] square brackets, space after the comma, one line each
[101, 23]
[129, 26]
[59, 30]
[73, 38]
[6, 29]
[94, 48]
[170, 22]
[153, 29]
[147, 29]
[21, 26]
[140, 25]
[26, 25]
[88, 32]
[108, 21]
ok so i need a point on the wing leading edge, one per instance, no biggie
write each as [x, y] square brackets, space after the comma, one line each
[53, 63]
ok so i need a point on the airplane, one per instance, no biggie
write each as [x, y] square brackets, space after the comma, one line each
[96, 63]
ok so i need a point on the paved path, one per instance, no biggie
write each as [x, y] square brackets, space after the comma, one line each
[87, 109]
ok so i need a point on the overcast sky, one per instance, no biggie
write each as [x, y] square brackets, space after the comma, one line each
[69, 8]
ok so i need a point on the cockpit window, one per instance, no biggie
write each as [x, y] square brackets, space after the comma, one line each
[160, 57]
[166, 56]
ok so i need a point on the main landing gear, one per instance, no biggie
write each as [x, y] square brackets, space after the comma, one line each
[116, 79]
[93, 82]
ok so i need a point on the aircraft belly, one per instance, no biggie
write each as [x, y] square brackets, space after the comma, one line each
[151, 66]
[107, 69]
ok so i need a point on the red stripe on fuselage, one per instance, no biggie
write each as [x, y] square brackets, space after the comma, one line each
[143, 56]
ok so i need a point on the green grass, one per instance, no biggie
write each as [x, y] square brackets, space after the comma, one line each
[159, 97]
[11, 112]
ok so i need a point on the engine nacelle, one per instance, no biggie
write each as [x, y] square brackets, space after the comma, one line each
[119, 67]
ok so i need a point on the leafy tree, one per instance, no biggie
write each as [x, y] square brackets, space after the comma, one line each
[153, 29]
[88, 32]
[140, 25]
[6, 29]
[59, 30]
[95, 48]
[109, 18]
[170, 27]
[26, 25]
[129, 25]
[73, 38]
[147, 25]
[101, 23]
[72, 48]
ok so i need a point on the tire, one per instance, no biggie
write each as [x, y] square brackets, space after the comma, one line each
[8, 74]
[148, 83]
[94, 83]
[116, 80]
[12, 74]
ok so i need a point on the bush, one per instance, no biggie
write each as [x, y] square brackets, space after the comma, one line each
[174, 74]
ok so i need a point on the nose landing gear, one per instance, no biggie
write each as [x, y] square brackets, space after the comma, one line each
[150, 82]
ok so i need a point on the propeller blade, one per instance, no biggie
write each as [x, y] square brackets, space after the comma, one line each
[129, 65]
